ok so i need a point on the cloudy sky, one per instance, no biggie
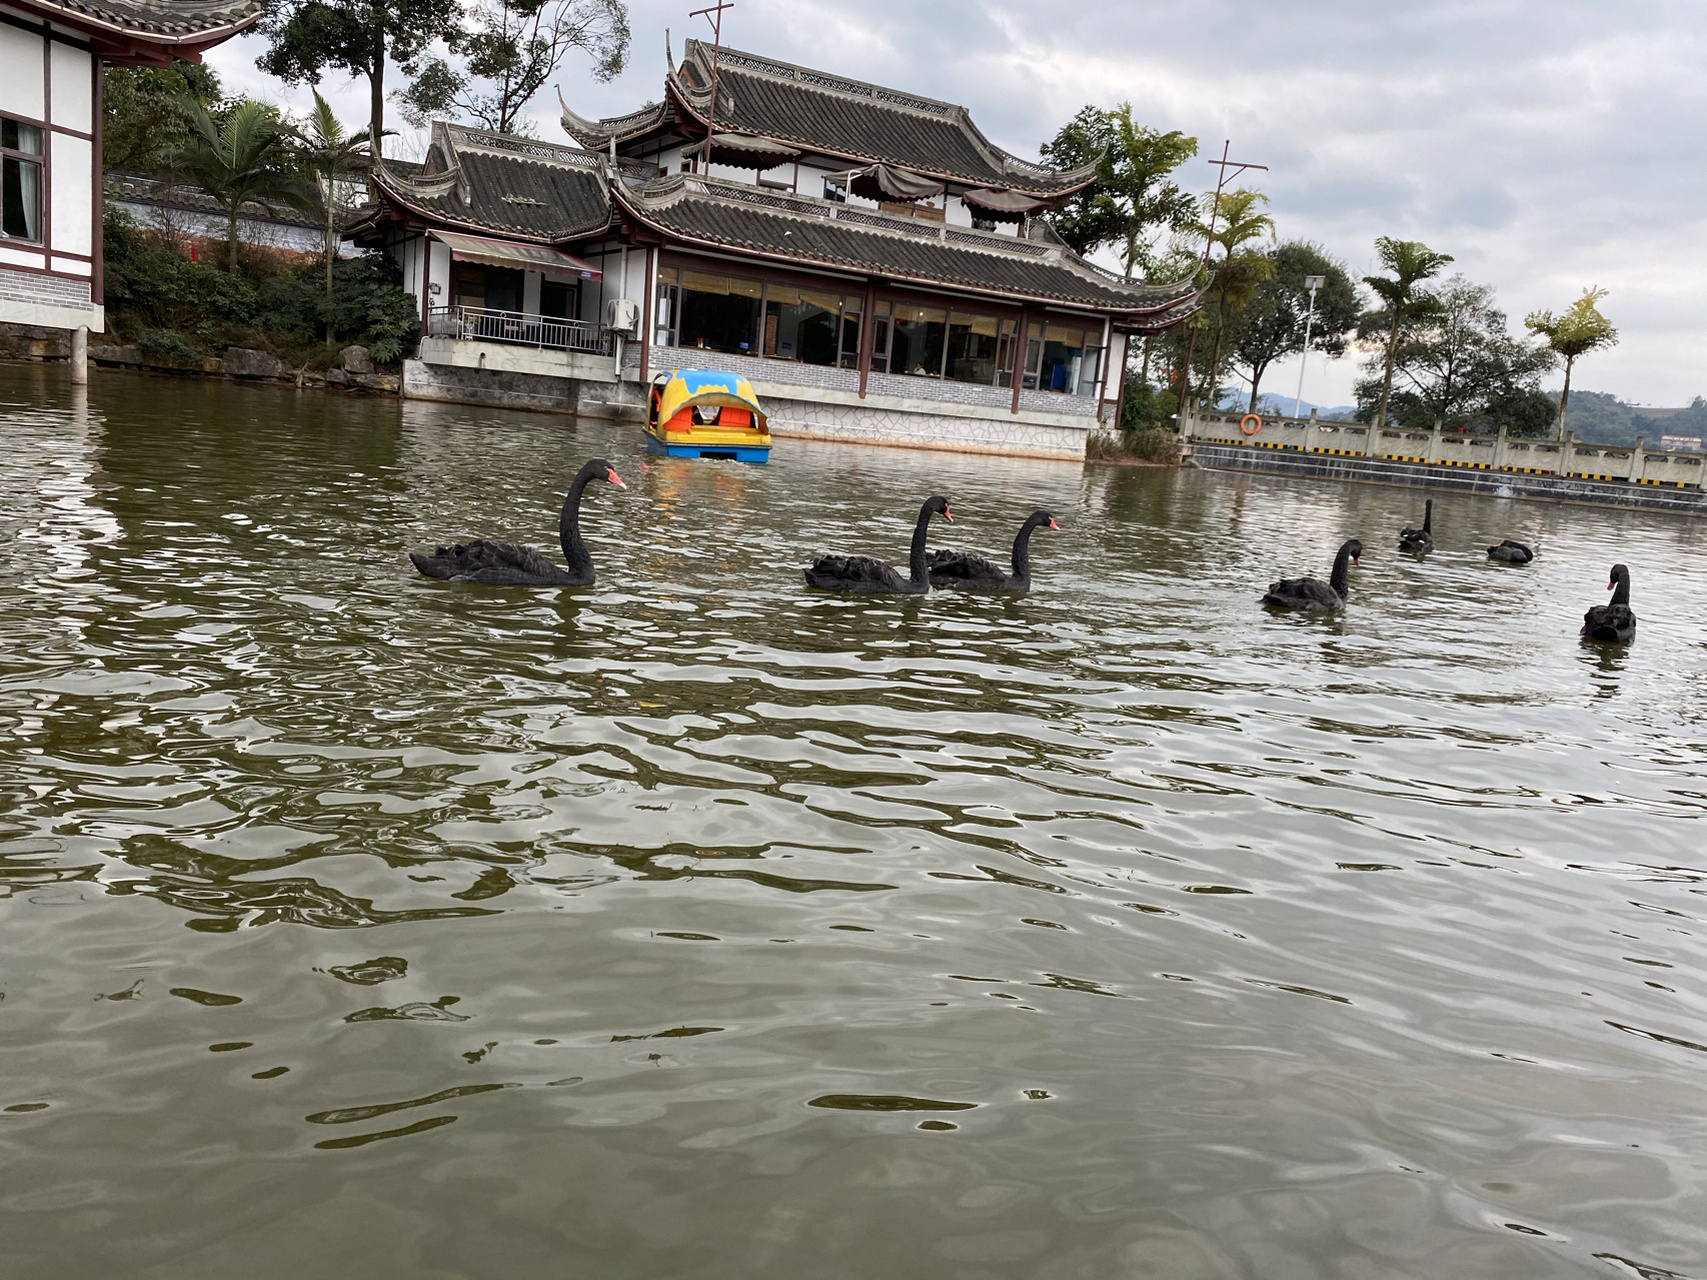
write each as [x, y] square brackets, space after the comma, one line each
[1546, 144]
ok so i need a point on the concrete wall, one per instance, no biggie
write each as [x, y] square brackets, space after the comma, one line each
[1633, 464]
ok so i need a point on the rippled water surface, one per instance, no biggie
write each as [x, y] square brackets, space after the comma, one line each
[698, 925]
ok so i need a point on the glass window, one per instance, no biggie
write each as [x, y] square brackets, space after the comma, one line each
[972, 348]
[917, 340]
[719, 313]
[1055, 359]
[835, 192]
[850, 332]
[1005, 354]
[801, 324]
[20, 180]
[880, 325]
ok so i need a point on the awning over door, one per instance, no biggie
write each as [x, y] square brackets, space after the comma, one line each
[507, 253]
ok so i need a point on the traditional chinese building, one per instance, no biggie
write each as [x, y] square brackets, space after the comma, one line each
[865, 257]
[51, 56]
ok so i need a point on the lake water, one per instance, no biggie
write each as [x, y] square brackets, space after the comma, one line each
[699, 925]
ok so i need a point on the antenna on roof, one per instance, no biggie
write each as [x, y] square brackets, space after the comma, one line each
[1222, 165]
[714, 15]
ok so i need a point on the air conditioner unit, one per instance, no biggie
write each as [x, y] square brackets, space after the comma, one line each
[622, 315]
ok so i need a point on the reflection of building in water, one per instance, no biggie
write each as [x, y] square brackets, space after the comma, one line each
[864, 256]
[51, 56]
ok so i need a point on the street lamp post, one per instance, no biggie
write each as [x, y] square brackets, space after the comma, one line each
[1312, 283]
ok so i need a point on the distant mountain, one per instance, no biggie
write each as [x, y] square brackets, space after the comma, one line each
[1598, 418]
[1270, 406]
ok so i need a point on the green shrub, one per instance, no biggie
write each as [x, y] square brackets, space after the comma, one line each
[270, 302]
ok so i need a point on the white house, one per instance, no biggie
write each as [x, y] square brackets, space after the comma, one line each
[51, 55]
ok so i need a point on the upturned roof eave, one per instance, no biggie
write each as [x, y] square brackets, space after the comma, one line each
[646, 216]
[683, 99]
[124, 37]
[397, 189]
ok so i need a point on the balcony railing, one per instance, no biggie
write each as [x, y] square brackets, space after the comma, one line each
[479, 324]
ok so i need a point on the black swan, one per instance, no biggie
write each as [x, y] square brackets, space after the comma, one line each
[1420, 541]
[509, 564]
[862, 573]
[1509, 552]
[966, 572]
[1613, 622]
[1313, 594]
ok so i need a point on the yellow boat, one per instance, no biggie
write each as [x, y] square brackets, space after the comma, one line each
[704, 413]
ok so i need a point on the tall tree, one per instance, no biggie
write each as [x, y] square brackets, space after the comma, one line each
[1234, 221]
[1411, 262]
[1580, 330]
[1459, 364]
[1132, 201]
[240, 159]
[142, 112]
[510, 49]
[330, 155]
[309, 37]
[1272, 326]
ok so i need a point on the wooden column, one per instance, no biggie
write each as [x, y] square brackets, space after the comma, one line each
[646, 261]
[867, 335]
[1022, 345]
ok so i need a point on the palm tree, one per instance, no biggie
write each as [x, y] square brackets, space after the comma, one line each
[1411, 262]
[328, 153]
[1579, 331]
[1241, 268]
[242, 160]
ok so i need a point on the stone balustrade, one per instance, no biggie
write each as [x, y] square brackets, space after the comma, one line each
[1569, 458]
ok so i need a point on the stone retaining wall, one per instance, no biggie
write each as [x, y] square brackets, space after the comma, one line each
[1497, 484]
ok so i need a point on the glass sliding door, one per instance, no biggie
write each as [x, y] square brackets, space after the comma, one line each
[918, 340]
[801, 324]
[719, 313]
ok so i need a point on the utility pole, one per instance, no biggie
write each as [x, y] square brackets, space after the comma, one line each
[1312, 283]
[713, 15]
[1223, 164]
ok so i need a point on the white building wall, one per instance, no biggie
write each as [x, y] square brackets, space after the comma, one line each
[72, 89]
[22, 68]
[38, 79]
[73, 214]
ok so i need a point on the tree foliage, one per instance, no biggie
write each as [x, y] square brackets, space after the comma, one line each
[510, 49]
[142, 112]
[1233, 221]
[1272, 324]
[307, 38]
[1580, 330]
[1458, 364]
[241, 159]
[1133, 203]
[329, 155]
[1403, 300]
[156, 295]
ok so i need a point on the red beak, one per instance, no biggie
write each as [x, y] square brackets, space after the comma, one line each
[614, 479]
[1053, 525]
[1358, 561]
[946, 516]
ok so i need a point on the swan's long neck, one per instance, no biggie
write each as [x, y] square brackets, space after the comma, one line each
[569, 523]
[1022, 549]
[1341, 579]
[1621, 590]
[916, 557]
[1428, 517]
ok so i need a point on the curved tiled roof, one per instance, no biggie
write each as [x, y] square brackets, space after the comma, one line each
[800, 230]
[168, 21]
[528, 189]
[829, 115]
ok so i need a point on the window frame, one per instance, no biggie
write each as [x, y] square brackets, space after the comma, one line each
[21, 157]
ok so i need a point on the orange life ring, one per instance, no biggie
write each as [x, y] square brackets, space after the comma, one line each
[1250, 417]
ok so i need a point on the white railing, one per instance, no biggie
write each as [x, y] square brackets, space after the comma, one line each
[481, 324]
[1568, 458]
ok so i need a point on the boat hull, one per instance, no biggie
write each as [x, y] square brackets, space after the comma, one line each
[679, 447]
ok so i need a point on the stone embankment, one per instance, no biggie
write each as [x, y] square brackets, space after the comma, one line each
[352, 371]
[1631, 476]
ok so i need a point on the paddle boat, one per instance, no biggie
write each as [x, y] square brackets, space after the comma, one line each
[704, 413]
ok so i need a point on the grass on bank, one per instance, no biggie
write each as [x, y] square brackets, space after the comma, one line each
[164, 296]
